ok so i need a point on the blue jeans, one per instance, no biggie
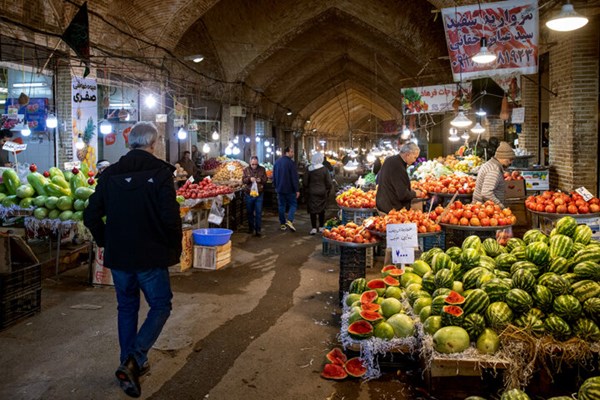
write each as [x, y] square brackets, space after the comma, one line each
[155, 285]
[254, 208]
[284, 201]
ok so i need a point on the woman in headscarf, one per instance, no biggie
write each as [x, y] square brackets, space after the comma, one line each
[318, 185]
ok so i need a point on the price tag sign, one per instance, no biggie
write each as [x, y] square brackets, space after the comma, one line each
[72, 164]
[403, 256]
[161, 117]
[231, 167]
[587, 196]
[13, 146]
[191, 179]
[402, 236]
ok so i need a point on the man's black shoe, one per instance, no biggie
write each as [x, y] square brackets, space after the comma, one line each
[128, 375]
[145, 369]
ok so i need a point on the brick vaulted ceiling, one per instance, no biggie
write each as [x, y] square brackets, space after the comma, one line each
[339, 63]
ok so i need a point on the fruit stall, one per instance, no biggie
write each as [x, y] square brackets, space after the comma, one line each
[517, 314]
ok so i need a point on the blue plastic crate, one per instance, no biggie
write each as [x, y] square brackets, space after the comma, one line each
[330, 249]
[356, 216]
[429, 242]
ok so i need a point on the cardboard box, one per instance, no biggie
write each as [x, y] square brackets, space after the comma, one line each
[100, 274]
[187, 252]
[514, 189]
[212, 257]
[537, 179]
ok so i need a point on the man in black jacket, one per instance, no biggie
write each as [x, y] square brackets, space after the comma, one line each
[393, 189]
[141, 235]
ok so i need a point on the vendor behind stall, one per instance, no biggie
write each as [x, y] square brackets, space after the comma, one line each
[393, 189]
[490, 179]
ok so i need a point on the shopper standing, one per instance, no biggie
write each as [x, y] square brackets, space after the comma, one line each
[490, 178]
[285, 180]
[317, 185]
[141, 239]
[254, 174]
[187, 164]
[393, 183]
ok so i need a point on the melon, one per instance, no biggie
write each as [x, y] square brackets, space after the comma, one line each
[432, 324]
[451, 339]
[421, 303]
[371, 316]
[390, 307]
[402, 324]
[454, 299]
[425, 313]
[420, 267]
[514, 394]
[378, 285]
[488, 342]
[590, 389]
[336, 356]
[390, 281]
[369, 296]
[355, 367]
[360, 329]
[393, 292]
[334, 371]
[383, 330]
[352, 298]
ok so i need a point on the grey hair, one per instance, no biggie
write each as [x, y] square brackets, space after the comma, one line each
[142, 135]
[254, 158]
[409, 148]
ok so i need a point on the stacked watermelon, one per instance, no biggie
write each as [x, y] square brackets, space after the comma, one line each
[376, 308]
[546, 285]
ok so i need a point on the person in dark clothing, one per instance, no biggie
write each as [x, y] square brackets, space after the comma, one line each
[377, 165]
[254, 173]
[285, 180]
[317, 184]
[393, 189]
[5, 136]
[133, 214]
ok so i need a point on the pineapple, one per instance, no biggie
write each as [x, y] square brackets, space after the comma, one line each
[88, 134]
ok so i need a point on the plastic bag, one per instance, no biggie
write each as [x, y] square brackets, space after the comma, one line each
[216, 211]
[254, 190]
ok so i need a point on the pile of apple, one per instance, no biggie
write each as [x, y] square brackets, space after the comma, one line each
[424, 223]
[205, 189]
[416, 185]
[350, 233]
[475, 214]
[356, 198]
[513, 176]
[450, 184]
[562, 203]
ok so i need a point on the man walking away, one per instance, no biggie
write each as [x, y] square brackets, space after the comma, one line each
[318, 185]
[141, 239]
[285, 180]
[254, 173]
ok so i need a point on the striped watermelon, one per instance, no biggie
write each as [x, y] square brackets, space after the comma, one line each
[505, 261]
[591, 308]
[536, 312]
[427, 281]
[570, 277]
[556, 283]
[583, 234]
[538, 253]
[452, 316]
[587, 270]
[519, 300]
[586, 289]
[474, 324]
[471, 242]
[358, 286]
[559, 265]
[530, 323]
[420, 267]
[416, 294]
[519, 252]
[531, 267]
[487, 263]
[470, 258]
[590, 389]
[566, 226]
[542, 298]
[502, 274]
[577, 247]
[440, 261]
[589, 253]
[514, 242]
[534, 235]
[492, 247]
[437, 304]
[441, 292]
[586, 329]
[428, 255]
[560, 246]
[498, 315]
[470, 277]
[514, 394]
[477, 301]
[444, 278]
[483, 278]
[557, 327]
[523, 279]
[567, 307]
[496, 289]
[454, 253]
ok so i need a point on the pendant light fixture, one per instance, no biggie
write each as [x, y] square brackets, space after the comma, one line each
[567, 20]
[206, 148]
[51, 121]
[465, 135]
[105, 127]
[181, 134]
[461, 121]
[25, 131]
[453, 135]
[484, 56]
[478, 128]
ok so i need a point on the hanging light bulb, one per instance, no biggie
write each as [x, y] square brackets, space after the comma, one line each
[465, 135]
[567, 20]
[215, 135]
[257, 139]
[460, 121]
[247, 139]
[478, 128]
[267, 143]
[228, 150]
[278, 152]
[206, 148]
[150, 101]
[481, 112]
[105, 127]
[51, 121]
[371, 158]
[454, 138]
[236, 150]
[181, 134]
[25, 131]
[351, 165]
[79, 145]
[484, 56]
[236, 140]
[405, 134]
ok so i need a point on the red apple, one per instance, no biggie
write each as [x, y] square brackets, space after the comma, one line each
[91, 181]
[33, 167]
[584, 209]
[550, 208]
[572, 209]
[91, 173]
[75, 170]
[562, 209]
[46, 174]
[594, 208]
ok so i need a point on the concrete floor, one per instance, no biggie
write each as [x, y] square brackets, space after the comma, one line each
[257, 329]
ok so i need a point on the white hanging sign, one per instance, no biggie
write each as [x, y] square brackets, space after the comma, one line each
[402, 236]
[13, 146]
[587, 196]
[403, 256]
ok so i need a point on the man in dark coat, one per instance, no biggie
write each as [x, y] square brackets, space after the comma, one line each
[393, 189]
[318, 185]
[134, 215]
[285, 180]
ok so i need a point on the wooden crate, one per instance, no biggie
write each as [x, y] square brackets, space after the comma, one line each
[212, 257]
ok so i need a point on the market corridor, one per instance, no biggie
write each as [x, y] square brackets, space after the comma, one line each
[258, 329]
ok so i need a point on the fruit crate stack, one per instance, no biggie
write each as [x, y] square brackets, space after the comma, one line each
[330, 249]
[357, 216]
[20, 294]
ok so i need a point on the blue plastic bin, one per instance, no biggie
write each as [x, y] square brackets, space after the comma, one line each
[211, 236]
